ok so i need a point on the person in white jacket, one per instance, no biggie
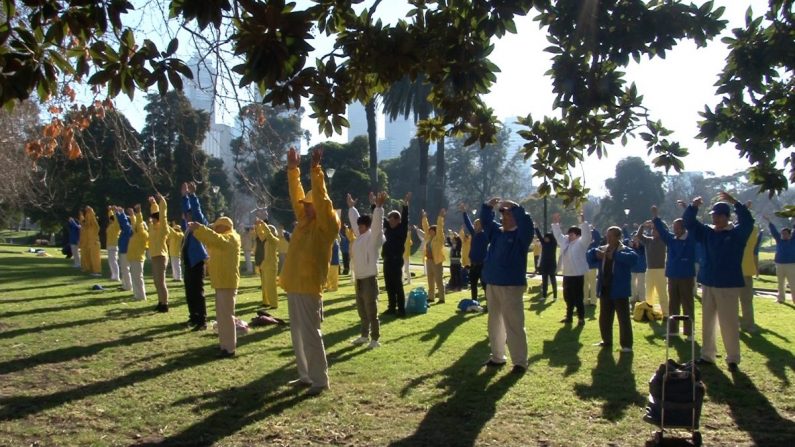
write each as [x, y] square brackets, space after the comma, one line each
[365, 249]
[573, 265]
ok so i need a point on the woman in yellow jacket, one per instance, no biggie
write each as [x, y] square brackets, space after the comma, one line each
[223, 246]
[136, 252]
[434, 254]
[158, 248]
[407, 260]
[81, 220]
[268, 266]
[175, 238]
[90, 239]
[112, 232]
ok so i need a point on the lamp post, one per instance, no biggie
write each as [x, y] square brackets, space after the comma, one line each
[216, 189]
[330, 174]
[626, 216]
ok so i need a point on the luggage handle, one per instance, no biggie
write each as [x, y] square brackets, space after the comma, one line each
[679, 318]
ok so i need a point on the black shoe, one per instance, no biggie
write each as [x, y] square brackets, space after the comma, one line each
[703, 362]
[566, 321]
[401, 313]
[199, 327]
[518, 370]
[162, 308]
[492, 364]
[733, 367]
[224, 354]
[158, 307]
[390, 312]
[581, 322]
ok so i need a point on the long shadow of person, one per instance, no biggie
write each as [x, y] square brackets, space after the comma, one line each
[779, 360]
[562, 350]
[471, 401]
[751, 409]
[441, 331]
[539, 306]
[613, 383]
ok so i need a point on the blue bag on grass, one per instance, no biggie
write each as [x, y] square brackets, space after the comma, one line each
[417, 302]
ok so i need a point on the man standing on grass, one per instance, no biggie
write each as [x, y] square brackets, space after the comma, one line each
[477, 251]
[158, 248]
[680, 269]
[365, 249]
[112, 232]
[396, 232]
[306, 269]
[434, 255]
[784, 259]
[721, 274]
[74, 241]
[655, 267]
[590, 293]
[573, 265]
[194, 255]
[504, 272]
[615, 261]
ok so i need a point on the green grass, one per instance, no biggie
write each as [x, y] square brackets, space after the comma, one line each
[82, 368]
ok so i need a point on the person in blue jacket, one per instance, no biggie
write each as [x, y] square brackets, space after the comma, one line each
[477, 252]
[504, 272]
[345, 250]
[615, 261]
[74, 241]
[680, 269]
[638, 270]
[124, 241]
[194, 255]
[590, 293]
[548, 265]
[785, 260]
[721, 275]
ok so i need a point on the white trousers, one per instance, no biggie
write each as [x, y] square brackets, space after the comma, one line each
[124, 272]
[176, 268]
[785, 272]
[75, 255]
[137, 277]
[506, 324]
[657, 288]
[720, 305]
[305, 312]
[638, 286]
[113, 262]
[589, 292]
[249, 262]
[406, 270]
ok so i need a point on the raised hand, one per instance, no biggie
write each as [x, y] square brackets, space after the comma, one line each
[407, 198]
[462, 208]
[137, 207]
[293, 158]
[493, 201]
[443, 212]
[555, 218]
[726, 197]
[317, 155]
[654, 211]
[191, 188]
[371, 198]
[380, 199]
[158, 197]
[681, 203]
[350, 200]
[697, 202]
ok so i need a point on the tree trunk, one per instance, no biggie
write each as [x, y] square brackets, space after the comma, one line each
[372, 139]
[441, 172]
[423, 114]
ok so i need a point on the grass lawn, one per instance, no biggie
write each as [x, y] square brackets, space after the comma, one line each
[83, 368]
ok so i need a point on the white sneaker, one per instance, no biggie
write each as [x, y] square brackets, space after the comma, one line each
[374, 344]
[360, 341]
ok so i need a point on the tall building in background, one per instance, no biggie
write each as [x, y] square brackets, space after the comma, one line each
[393, 135]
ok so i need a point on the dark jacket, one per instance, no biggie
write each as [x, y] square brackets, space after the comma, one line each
[479, 245]
[548, 264]
[395, 243]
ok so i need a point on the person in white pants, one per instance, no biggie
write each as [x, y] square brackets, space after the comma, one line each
[175, 240]
[74, 241]
[112, 232]
[125, 232]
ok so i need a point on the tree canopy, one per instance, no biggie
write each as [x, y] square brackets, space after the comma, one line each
[631, 193]
[448, 42]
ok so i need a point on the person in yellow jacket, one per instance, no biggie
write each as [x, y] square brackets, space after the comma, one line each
[268, 237]
[223, 246]
[747, 323]
[175, 239]
[434, 255]
[407, 260]
[81, 218]
[284, 246]
[112, 232]
[306, 268]
[136, 252]
[158, 248]
[90, 240]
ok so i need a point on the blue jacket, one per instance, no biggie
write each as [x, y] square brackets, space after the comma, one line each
[126, 231]
[74, 233]
[623, 260]
[506, 259]
[785, 250]
[335, 253]
[479, 244]
[723, 250]
[640, 266]
[596, 240]
[344, 242]
[196, 251]
[680, 262]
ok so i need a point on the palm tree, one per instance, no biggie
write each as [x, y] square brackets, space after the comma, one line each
[369, 110]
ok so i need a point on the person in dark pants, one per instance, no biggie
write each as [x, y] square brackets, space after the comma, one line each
[396, 230]
[477, 251]
[613, 287]
[193, 257]
[548, 264]
[345, 250]
[574, 265]
[455, 244]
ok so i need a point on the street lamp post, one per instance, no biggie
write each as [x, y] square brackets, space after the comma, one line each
[330, 174]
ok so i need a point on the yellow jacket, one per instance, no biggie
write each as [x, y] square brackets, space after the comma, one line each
[264, 233]
[306, 267]
[466, 243]
[284, 244]
[136, 251]
[224, 251]
[175, 238]
[90, 229]
[407, 246]
[437, 242]
[112, 232]
[749, 266]
[158, 234]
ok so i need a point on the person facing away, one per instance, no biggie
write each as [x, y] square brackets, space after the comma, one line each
[680, 269]
[504, 272]
[784, 260]
[268, 262]
[656, 288]
[306, 269]
[175, 240]
[548, 264]
[365, 248]
[721, 274]
[434, 255]
[223, 246]
[194, 257]
[638, 271]
[90, 239]
[112, 232]
[136, 253]
[74, 241]
[573, 265]
[158, 248]
[396, 230]
[477, 251]
[125, 232]
[615, 261]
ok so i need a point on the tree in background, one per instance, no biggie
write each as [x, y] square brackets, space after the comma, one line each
[635, 187]
[404, 177]
[19, 185]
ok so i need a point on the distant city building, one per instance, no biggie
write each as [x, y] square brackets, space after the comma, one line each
[394, 135]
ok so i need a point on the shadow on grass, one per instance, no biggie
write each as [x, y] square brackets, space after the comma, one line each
[562, 350]
[29, 299]
[539, 306]
[113, 314]
[442, 330]
[470, 401]
[779, 360]
[613, 383]
[751, 410]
